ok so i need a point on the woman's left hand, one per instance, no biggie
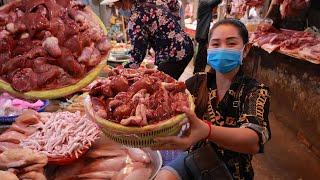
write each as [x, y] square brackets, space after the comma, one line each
[198, 130]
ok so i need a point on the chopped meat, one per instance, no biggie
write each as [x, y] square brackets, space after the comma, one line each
[71, 66]
[74, 44]
[30, 5]
[7, 44]
[71, 28]
[97, 175]
[123, 111]
[35, 22]
[85, 55]
[8, 175]
[119, 84]
[4, 34]
[104, 45]
[99, 107]
[95, 57]
[12, 136]
[112, 164]
[55, 30]
[139, 155]
[8, 145]
[24, 80]
[63, 3]
[14, 158]
[143, 83]
[36, 52]
[14, 63]
[101, 89]
[25, 45]
[24, 36]
[33, 175]
[51, 45]
[114, 103]
[76, 135]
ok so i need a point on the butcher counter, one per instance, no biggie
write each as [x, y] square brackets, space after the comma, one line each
[295, 88]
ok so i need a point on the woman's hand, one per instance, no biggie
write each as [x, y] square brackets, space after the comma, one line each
[198, 130]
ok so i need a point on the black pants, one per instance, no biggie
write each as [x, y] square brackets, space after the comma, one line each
[201, 57]
[175, 69]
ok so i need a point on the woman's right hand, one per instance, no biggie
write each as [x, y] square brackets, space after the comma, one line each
[198, 131]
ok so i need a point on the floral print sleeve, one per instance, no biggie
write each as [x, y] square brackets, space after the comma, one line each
[154, 26]
[138, 39]
[255, 113]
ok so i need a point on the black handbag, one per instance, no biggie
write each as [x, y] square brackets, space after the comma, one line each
[204, 164]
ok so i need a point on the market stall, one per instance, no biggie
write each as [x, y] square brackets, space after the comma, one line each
[59, 101]
[288, 61]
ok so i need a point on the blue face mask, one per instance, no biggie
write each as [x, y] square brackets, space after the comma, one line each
[224, 60]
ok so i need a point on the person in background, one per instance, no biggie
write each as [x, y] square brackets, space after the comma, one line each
[155, 26]
[235, 106]
[204, 18]
[295, 16]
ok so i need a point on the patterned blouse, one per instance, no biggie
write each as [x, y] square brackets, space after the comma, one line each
[153, 25]
[245, 105]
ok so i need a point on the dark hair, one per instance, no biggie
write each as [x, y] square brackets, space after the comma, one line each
[203, 93]
[243, 32]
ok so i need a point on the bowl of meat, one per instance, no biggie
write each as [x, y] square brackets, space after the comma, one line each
[133, 106]
[50, 49]
[109, 160]
[62, 136]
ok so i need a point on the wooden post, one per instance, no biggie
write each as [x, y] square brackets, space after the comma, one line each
[124, 29]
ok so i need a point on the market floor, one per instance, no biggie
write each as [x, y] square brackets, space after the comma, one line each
[285, 158]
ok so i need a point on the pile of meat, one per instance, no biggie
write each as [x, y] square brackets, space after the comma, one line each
[304, 45]
[107, 160]
[292, 7]
[62, 135]
[138, 97]
[58, 135]
[22, 164]
[47, 44]
[239, 7]
[26, 124]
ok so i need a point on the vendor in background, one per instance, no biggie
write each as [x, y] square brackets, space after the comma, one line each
[204, 18]
[235, 106]
[155, 26]
[293, 17]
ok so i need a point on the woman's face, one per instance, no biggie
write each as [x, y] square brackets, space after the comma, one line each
[226, 36]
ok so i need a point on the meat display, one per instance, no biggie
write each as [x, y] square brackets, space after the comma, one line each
[301, 44]
[48, 44]
[107, 160]
[22, 164]
[62, 135]
[25, 125]
[239, 7]
[138, 97]
[292, 7]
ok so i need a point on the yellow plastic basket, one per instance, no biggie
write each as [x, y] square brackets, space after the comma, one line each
[138, 137]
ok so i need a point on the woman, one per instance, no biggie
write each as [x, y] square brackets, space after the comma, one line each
[155, 26]
[204, 18]
[236, 107]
